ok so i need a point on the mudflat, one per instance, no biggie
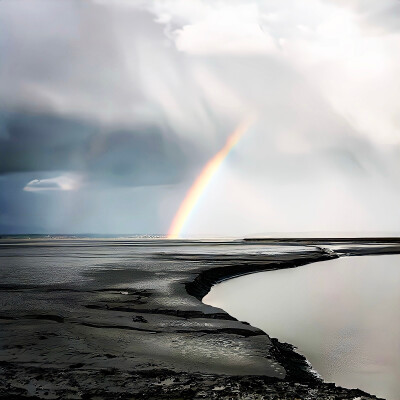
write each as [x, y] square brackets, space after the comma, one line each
[91, 318]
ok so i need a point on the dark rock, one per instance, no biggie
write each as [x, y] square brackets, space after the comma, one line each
[139, 318]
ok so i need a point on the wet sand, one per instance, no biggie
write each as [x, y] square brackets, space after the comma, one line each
[123, 319]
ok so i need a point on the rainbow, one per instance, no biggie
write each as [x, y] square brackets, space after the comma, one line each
[203, 179]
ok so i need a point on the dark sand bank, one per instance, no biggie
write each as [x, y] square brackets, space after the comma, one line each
[122, 319]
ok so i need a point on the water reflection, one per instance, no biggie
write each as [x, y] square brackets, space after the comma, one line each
[343, 315]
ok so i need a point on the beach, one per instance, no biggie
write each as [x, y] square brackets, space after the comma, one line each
[123, 318]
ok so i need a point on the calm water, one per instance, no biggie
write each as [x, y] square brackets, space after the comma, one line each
[343, 315]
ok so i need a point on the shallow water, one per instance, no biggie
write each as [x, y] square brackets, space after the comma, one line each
[343, 315]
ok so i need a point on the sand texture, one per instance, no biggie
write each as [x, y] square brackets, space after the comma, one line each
[123, 319]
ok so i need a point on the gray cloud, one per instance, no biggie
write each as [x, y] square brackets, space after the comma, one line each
[134, 97]
[141, 155]
[383, 15]
[40, 142]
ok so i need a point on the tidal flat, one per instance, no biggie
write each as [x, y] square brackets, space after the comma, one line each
[123, 318]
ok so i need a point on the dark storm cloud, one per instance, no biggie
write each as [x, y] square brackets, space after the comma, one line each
[141, 155]
[100, 92]
[105, 103]
[39, 142]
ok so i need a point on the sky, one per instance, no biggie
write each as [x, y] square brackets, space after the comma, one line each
[109, 110]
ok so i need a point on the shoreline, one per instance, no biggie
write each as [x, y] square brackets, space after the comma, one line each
[132, 305]
[297, 367]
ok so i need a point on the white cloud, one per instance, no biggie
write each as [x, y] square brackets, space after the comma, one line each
[334, 44]
[60, 183]
[228, 29]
